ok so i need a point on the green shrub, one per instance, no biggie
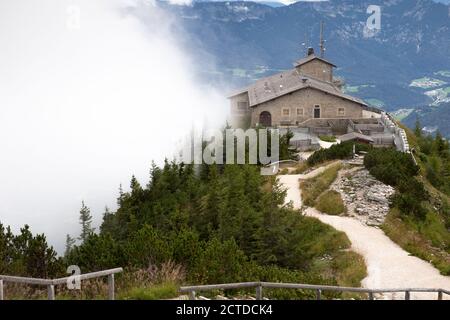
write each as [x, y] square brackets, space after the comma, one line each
[26, 254]
[331, 202]
[390, 166]
[399, 170]
[328, 138]
[147, 246]
[409, 205]
[337, 151]
[219, 262]
[98, 252]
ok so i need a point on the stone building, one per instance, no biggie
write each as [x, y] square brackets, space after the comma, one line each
[299, 97]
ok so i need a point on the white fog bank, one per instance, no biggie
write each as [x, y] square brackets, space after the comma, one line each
[89, 95]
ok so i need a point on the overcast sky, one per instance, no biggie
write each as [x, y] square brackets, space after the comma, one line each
[89, 95]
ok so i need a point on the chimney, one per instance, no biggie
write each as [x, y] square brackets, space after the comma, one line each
[310, 51]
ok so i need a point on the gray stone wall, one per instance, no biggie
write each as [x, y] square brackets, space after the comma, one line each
[240, 117]
[297, 107]
[318, 70]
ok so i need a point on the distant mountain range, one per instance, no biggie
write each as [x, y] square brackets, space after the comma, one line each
[282, 3]
[405, 65]
[431, 118]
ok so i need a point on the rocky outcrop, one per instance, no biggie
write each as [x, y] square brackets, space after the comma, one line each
[366, 198]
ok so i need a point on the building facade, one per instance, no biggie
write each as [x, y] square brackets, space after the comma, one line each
[294, 97]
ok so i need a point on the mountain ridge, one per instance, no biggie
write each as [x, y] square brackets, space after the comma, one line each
[239, 42]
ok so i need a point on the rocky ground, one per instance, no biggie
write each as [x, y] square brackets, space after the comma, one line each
[366, 198]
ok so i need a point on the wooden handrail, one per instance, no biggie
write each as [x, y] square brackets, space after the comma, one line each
[191, 290]
[90, 275]
[36, 281]
[51, 283]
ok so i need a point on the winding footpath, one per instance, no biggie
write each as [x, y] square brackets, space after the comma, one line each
[388, 265]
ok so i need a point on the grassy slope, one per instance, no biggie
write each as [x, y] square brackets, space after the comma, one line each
[330, 202]
[429, 239]
[312, 188]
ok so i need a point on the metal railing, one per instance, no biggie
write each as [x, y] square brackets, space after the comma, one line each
[258, 286]
[51, 283]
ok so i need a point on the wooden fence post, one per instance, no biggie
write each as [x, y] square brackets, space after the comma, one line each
[407, 295]
[111, 294]
[1, 290]
[192, 295]
[259, 292]
[51, 292]
[319, 294]
[370, 295]
[440, 295]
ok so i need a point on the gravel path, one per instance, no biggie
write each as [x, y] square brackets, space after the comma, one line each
[388, 265]
[291, 182]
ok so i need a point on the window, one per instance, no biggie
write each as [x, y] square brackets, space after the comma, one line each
[286, 112]
[299, 112]
[242, 105]
[341, 111]
[316, 111]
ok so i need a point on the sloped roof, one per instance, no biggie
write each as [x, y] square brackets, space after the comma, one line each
[311, 58]
[354, 136]
[286, 82]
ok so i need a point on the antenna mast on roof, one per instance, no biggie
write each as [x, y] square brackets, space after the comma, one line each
[322, 41]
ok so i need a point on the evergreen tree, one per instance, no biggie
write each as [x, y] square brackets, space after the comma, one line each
[86, 222]
[121, 196]
[70, 242]
[27, 255]
[41, 260]
[418, 128]
[441, 145]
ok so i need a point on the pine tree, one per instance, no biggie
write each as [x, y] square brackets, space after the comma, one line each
[441, 145]
[107, 213]
[70, 242]
[418, 128]
[121, 196]
[109, 223]
[86, 222]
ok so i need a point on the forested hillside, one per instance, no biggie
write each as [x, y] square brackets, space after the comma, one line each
[211, 224]
[222, 224]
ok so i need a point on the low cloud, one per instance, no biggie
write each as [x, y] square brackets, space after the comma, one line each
[89, 95]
